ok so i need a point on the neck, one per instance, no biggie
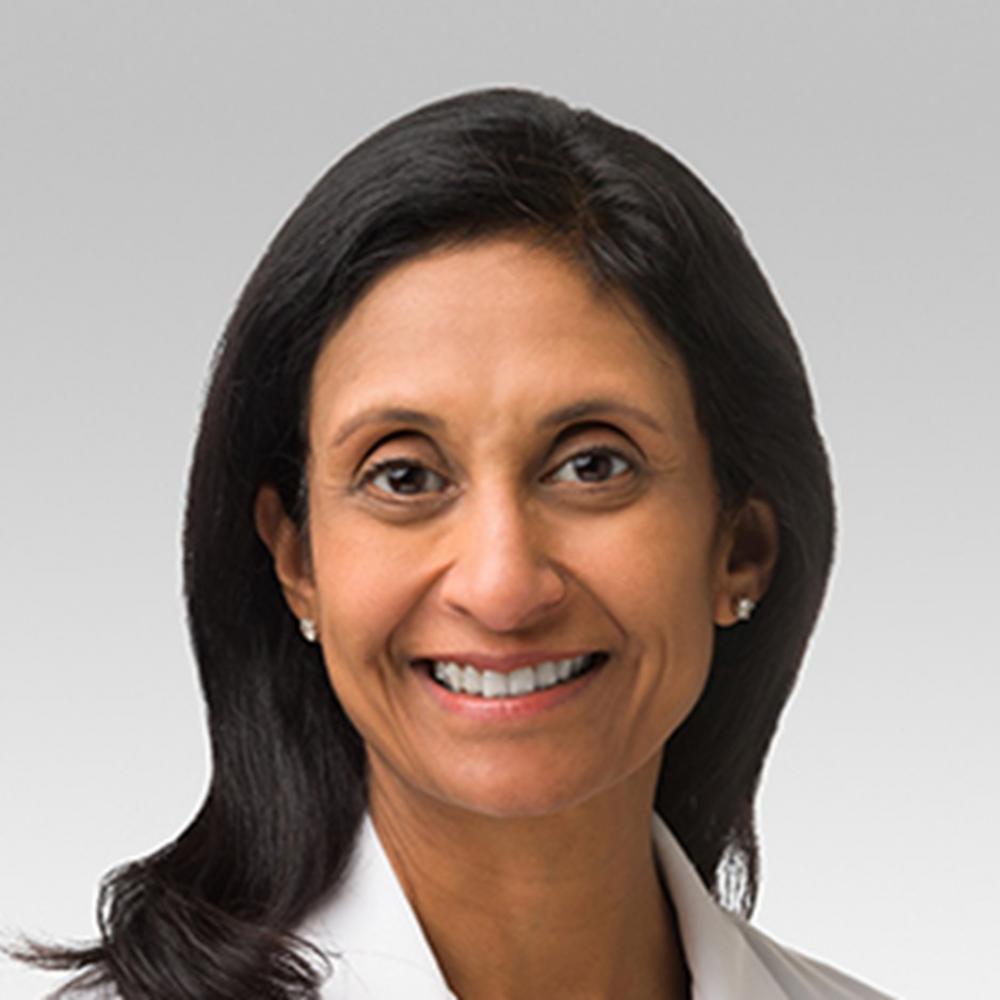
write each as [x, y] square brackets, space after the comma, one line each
[563, 905]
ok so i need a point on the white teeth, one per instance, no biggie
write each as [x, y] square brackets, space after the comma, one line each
[472, 681]
[453, 675]
[546, 674]
[522, 681]
[493, 684]
[449, 674]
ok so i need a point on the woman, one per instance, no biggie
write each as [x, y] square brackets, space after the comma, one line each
[508, 523]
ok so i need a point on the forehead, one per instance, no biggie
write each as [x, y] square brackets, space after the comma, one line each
[497, 324]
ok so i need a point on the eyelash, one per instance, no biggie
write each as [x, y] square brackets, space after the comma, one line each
[370, 474]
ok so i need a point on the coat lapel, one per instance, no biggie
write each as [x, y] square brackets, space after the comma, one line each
[372, 935]
[721, 962]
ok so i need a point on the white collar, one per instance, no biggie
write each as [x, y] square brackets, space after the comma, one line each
[380, 952]
[722, 964]
[371, 932]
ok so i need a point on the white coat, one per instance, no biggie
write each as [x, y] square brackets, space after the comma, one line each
[379, 950]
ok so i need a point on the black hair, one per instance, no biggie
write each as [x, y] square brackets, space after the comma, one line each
[212, 914]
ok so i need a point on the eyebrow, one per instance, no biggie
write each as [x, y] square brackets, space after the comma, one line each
[595, 406]
[591, 407]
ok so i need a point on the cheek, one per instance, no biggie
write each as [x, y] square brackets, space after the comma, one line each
[652, 568]
[363, 594]
[361, 590]
[657, 580]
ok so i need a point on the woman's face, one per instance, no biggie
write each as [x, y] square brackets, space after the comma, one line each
[507, 485]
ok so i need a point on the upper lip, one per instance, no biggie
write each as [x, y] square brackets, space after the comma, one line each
[508, 662]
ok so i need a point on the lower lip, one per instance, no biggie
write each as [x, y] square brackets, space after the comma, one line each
[519, 707]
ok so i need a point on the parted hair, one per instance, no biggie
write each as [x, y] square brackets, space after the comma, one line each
[212, 915]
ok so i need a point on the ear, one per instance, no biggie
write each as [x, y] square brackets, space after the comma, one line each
[287, 546]
[749, 555]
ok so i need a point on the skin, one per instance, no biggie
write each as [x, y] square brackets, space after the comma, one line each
[523, 842]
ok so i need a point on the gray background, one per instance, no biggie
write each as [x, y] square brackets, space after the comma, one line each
[149, 151]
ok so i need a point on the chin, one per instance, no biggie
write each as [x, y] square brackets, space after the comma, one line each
[505, 793]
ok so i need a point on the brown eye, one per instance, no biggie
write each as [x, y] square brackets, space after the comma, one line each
[596, 465]
[402, 477]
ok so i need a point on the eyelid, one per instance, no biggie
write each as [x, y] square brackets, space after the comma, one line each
[384, 439]
[601, 430]
[595, 427]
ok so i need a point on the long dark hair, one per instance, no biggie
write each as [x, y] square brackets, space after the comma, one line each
[212, 915]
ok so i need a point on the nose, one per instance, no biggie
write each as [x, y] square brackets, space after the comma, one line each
[500, 574]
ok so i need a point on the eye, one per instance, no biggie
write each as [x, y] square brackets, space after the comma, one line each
[402, 477]
[596, 465]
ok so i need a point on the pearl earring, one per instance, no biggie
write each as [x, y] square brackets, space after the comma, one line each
[744, 609]
[308, 629]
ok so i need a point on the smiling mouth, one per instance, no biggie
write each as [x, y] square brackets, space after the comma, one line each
[463, 678]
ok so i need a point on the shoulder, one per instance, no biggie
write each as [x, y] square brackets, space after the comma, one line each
[801, 976]
[729, 957]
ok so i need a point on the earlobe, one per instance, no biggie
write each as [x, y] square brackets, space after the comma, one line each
[752, 554]
[284, 541]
